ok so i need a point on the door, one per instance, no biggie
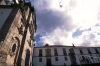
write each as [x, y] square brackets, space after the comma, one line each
[48, 62]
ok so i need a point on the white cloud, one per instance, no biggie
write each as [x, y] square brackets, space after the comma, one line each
[84, 15]
[88, 38]
[58, 37]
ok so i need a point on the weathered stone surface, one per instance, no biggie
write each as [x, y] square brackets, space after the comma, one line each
[2, 2]
[13, 41]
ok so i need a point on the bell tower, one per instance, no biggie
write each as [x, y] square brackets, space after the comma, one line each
[17, 28]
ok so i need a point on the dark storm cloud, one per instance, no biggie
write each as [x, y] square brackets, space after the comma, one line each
[49, 20]
[40, 4]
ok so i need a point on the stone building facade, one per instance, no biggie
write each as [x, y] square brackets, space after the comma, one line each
[59, 55]
[17, 28]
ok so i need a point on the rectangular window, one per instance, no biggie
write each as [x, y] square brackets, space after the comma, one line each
[96, 50]
[56, 58]
[83, 57]
[55, 52]
[40, 59]
[48, 52]
[64, 51]
[89, 51]
[71, 50]
[91, 56]
[81, 51]
[65, 58]
[40, 52]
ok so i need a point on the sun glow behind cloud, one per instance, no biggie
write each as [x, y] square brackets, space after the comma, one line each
[76, 14]
[85, 13]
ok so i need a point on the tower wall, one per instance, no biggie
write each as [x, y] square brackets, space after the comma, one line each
[16, 35]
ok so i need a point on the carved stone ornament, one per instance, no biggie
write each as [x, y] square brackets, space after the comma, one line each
[20, 29]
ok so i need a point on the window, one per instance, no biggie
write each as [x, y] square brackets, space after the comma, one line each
[89, 51]
[56, 58]
[48, 52]
[64, 51]
[13, 47]
[96, 50]
[71, 50]
[81, 51]
[27, 58]
[40, 59]
[55, 52]
[40, 52]
[65, 58]
[83, 57]
[91, 56]
[1, 12]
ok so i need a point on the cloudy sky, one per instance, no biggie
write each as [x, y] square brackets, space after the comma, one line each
[63, 22]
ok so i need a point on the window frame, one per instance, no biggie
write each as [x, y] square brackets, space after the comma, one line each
[81, 51]
[96, 50]
[65, 58]
[48, 52]
[64, 51]
[89, 51]
[55, 52]
[56, 59]
[40, 52]
[40, 59]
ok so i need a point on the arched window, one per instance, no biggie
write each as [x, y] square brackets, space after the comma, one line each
[27, 57]
[14, 47]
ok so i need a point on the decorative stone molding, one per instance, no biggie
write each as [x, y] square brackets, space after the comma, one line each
[29, 42]
[21, 29]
